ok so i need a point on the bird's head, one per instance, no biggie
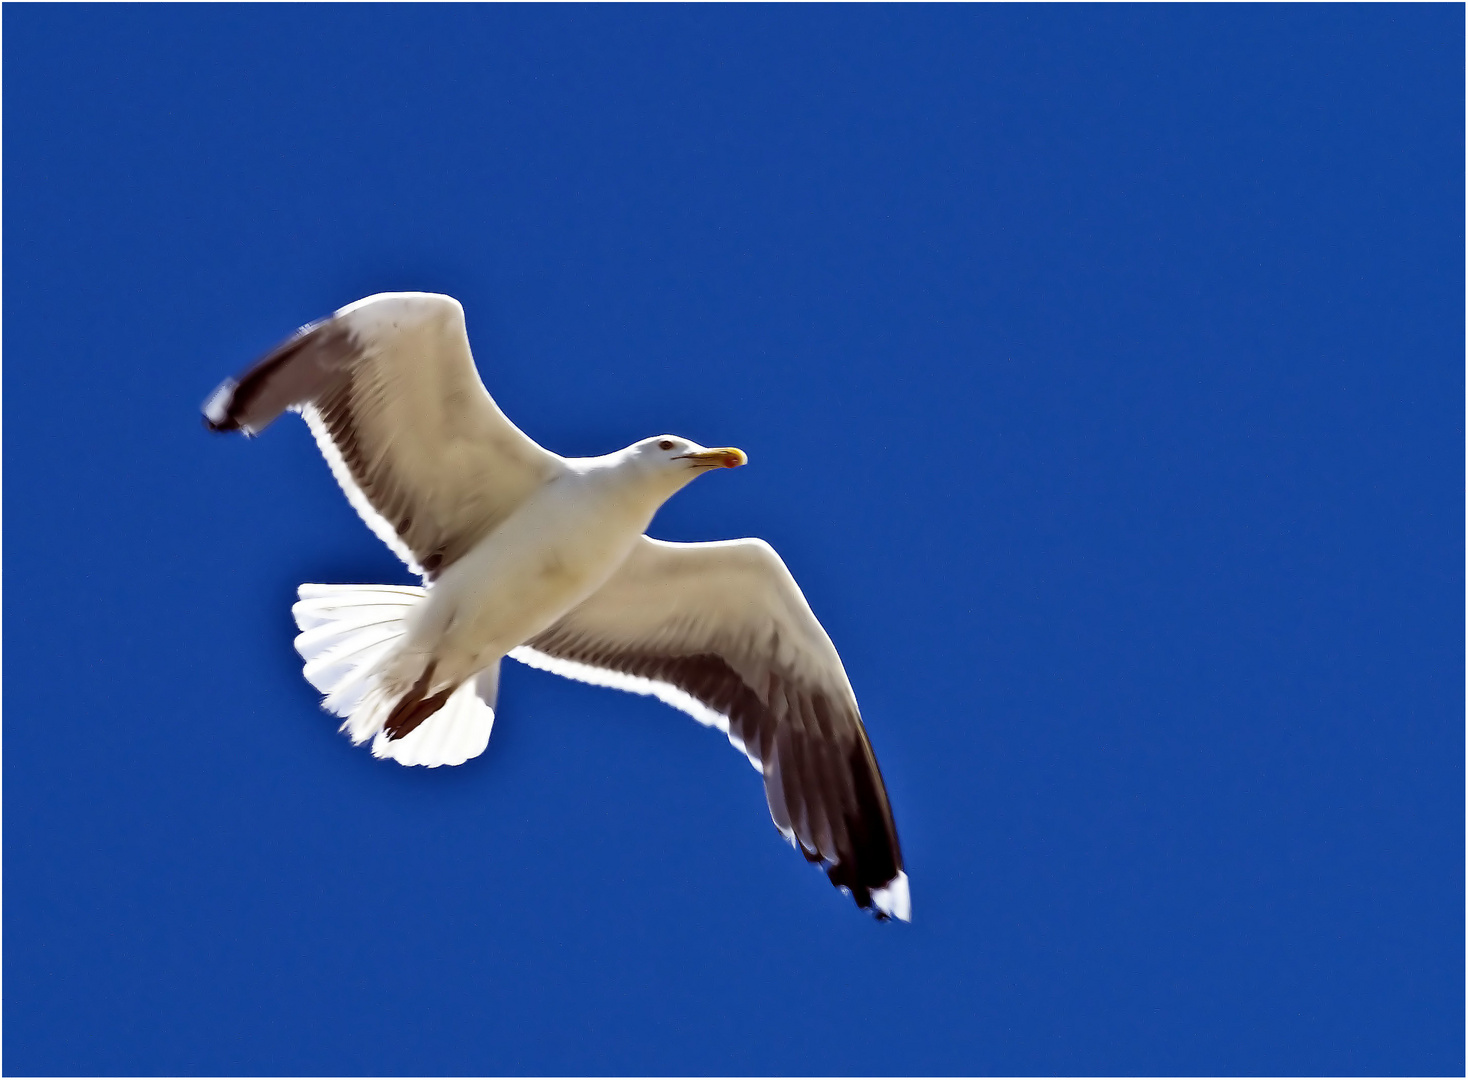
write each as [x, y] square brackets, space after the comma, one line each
[677, 460]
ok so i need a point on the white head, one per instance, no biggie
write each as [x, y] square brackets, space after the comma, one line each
[668, 462]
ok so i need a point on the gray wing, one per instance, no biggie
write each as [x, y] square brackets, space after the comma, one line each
[389, 389]
[722, 631]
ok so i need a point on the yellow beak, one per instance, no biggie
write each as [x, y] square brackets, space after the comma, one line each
[725, 457]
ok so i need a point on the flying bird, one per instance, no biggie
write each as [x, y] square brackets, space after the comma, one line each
[544, 559]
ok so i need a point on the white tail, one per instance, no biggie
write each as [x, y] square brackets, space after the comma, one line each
[349, 636]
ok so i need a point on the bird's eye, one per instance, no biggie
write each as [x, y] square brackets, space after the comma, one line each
[665, 445]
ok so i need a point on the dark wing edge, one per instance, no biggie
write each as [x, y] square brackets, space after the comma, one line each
[289, 376]
[310, 373]
[822, 783]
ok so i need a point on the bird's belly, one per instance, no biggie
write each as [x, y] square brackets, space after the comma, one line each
[518, 581]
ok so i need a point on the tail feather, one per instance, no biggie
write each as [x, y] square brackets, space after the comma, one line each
[345, 699]
[316, 616]
[321, 639]
[320, 604]
[458, 731]
[347, 679]
[350, 634]
[351, 595]
[328, 669]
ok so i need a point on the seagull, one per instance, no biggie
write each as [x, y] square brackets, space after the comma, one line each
[545, 559]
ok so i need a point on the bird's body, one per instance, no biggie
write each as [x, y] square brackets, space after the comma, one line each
[544, 559]
[550, 554]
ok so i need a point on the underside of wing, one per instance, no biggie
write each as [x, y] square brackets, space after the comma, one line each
[389, 389]
[722, 632]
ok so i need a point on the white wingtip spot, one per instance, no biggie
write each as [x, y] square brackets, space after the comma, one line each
[217, 407]
[893, 899]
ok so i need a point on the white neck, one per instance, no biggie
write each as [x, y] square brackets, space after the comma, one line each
[640, 487]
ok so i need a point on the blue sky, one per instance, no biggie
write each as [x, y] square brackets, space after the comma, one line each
[1101, 372]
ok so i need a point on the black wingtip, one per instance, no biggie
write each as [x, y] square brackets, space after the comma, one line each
[296, 372]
